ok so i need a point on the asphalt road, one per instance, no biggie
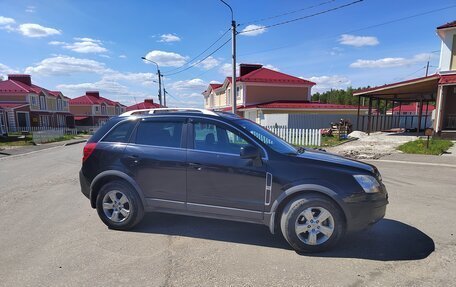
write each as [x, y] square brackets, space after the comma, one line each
[49, 236]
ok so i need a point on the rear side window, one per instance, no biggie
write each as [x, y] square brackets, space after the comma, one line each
[159, 133]
[121, 133]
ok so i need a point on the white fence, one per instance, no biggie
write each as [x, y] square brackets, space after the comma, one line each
[46, 134]
[300, 137]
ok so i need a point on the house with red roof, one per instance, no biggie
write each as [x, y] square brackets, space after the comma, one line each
[24, 104]
[92, 109]
[147, 104]
[412, 109]
[262, 91]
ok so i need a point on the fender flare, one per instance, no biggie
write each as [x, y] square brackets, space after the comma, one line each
[303, 188]
[119, 174]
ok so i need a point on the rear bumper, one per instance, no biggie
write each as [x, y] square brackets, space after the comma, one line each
[366, 212]
[85, 187]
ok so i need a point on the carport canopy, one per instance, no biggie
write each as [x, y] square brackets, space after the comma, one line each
[420, 90]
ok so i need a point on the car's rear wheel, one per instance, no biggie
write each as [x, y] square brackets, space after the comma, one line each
[119, 206]
[312, 223]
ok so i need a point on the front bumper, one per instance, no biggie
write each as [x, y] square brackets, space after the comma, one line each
[366, 210]
[85, 187]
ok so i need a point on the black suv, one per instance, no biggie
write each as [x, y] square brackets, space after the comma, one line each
[219, 165]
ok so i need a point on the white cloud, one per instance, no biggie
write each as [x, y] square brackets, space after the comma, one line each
[209, 63]
[37, 31]
[6, 21]
[253, 30]
[227, 71]
[325, 83]
[105, 56]
[166, 59]
[5, 70]
[193, 84]
[358, 41]
[271, 67]
[104, 86]
[122, 56]
[57, 43]
[30, 9]
[145, 79]
[167, 38]
[65, 65]
[86, 45]
[391, 62]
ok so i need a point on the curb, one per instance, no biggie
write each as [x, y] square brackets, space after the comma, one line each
[75, 142]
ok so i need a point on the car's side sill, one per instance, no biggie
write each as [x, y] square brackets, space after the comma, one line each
[203, 210]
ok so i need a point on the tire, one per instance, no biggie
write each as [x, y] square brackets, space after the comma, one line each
[313, 236]
[106, 206]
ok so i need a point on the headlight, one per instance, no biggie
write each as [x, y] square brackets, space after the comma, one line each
[368, 183]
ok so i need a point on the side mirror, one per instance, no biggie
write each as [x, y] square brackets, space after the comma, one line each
[249, 152]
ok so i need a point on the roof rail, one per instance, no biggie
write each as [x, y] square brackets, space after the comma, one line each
[166, 110]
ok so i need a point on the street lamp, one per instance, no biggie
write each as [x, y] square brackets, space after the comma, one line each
[159, 82]
[233, 54]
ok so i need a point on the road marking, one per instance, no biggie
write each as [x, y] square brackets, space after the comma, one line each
[414, 163]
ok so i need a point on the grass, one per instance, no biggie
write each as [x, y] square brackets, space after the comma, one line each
[436, 147]
[329, 141]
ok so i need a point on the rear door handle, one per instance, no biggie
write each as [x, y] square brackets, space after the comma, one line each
[196, 166]
[133, 159]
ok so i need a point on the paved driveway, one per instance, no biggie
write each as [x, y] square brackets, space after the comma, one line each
[51, 237]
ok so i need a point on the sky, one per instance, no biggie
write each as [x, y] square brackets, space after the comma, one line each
[74, 46]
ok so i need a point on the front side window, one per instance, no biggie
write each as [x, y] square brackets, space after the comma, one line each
[120, 133]
[159, 133]
[268, 138]
[211, 137]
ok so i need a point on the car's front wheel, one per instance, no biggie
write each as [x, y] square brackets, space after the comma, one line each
[312, 223]
[119, 206]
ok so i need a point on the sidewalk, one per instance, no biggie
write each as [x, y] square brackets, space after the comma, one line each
[443, 160]
[33, 148]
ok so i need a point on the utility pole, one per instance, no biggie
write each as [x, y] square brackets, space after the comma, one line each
[233, 63]
[234, 91]
[427, 68]
[159, 80]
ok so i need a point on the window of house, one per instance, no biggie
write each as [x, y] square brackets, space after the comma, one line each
[121, 133]
[97, 109]
[238, 92]
[59, 104]
[211, 137]
[42, 103]
[453, 55]
[34, 100]
[103, 109]
[159, 133]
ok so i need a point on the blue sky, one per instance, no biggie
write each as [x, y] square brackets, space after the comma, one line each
[75, 46]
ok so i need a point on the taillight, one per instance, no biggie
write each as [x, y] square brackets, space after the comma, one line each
[88, 150]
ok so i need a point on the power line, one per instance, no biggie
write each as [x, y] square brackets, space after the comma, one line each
[196, 57]
[285, 14]
[302, 18]
[198, 62]
[359, 29]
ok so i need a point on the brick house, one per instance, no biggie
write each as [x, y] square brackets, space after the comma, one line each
[93, 110]
[24, 105]
[262, 92]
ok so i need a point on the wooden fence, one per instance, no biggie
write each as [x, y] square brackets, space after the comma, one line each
[45, 134]
[300, 137]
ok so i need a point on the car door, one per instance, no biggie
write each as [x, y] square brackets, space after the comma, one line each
[218, 180]
[157, 159]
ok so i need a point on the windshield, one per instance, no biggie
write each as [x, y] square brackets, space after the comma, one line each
[270, 139]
